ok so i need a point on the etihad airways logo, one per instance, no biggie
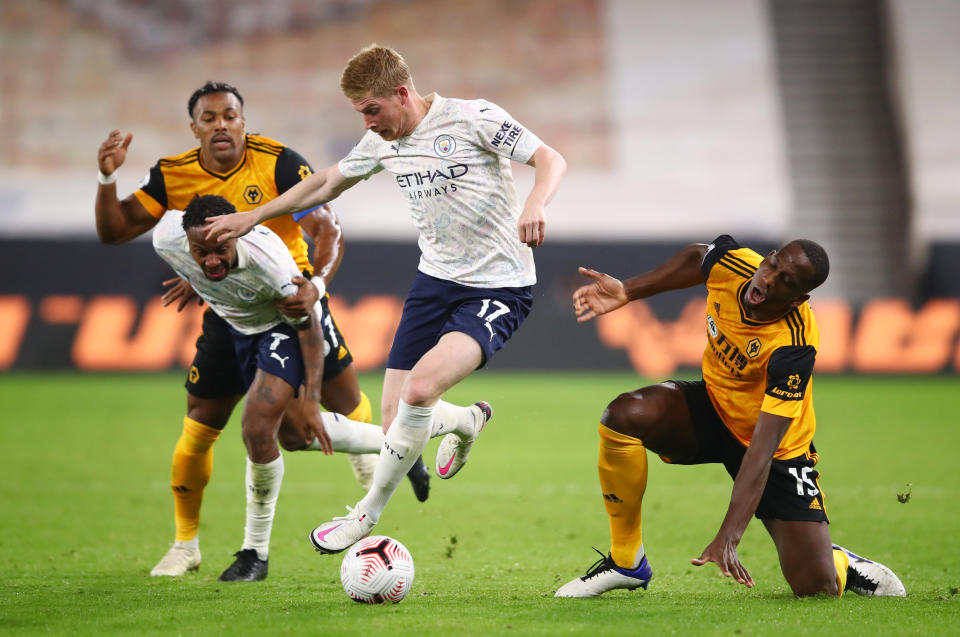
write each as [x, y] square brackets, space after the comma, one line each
[428, 177]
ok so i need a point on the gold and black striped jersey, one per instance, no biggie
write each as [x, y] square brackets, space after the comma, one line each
[267, 169]
[750, 366]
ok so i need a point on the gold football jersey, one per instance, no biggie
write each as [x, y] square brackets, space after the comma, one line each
[267, 169]
[750, 366]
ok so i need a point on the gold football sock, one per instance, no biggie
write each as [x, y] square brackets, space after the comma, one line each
[362, 412]
[842, 561]
[189, 474]
[622, 466]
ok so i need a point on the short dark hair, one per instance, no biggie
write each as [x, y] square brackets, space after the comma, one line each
[818, 259]
[203, 206]
[209, 88]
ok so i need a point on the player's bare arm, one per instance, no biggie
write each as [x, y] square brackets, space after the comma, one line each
[118, 221]
[747, 490]
[310, 334]
[317, 189]
[550, 167]
[323, 228]
[607, 293]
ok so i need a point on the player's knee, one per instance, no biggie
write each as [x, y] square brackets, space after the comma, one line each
[631, 414]
[259, 440]
[212, 413]
[809, 584]
[419, 391]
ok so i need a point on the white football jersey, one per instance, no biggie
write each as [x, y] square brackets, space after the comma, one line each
[454, 171]
[245, 298]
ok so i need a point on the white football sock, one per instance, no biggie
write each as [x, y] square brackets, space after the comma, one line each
[406, 439]
[189, 544]
[448, 418]
[263, 488]
[349, 436]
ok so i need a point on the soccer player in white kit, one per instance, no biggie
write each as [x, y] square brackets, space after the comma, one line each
[242, 280]
[451, 159]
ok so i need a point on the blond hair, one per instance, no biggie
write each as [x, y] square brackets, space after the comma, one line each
[374, 72]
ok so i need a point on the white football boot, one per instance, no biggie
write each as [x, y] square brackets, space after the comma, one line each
[605, 576]
[865, 577]
[453, 450]
[179, 560]
[342, 532]
[363, 465]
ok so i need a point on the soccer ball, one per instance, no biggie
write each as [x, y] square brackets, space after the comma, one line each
[377, 569]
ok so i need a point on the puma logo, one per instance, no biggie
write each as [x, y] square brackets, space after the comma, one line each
[282, 359]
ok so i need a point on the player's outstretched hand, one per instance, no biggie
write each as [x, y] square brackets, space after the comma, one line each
[604, 295]
[113, 152]
[181, 290]
[226, 227]
[723, 553]
[302, 303]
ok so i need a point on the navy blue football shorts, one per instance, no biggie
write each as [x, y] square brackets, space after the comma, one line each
[214, 375]
[435, 306]
[276, 351]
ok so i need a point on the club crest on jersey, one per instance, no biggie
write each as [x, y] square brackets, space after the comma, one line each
[252, 194]
[753, 347]
[444, 145]
[246, 295]
[712, 327]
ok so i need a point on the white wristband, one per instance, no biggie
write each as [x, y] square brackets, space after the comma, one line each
[106, 179]
[320, 285]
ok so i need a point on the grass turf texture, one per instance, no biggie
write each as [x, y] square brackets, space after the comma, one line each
[87, 512]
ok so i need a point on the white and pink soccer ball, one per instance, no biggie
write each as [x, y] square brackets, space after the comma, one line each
[377, 569]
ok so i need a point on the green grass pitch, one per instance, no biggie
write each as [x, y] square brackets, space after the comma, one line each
[87, 512]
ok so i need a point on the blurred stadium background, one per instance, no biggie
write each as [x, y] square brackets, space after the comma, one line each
[764, 119]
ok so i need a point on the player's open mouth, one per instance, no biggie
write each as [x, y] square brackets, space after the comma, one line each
[215, 274]
[755, 296]
[222, 142]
